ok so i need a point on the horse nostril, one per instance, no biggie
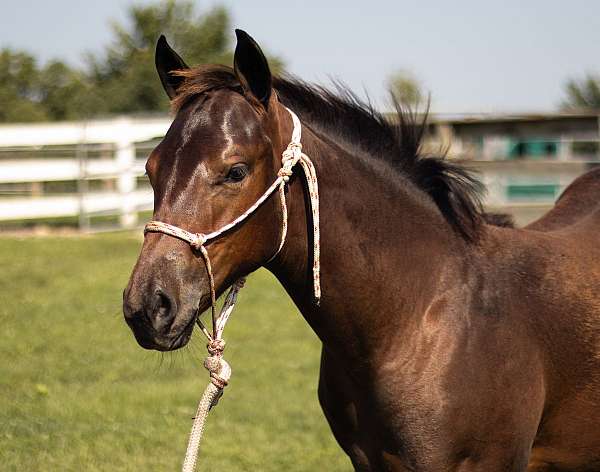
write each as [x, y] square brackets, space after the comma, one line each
[163, 310]
[163, 304]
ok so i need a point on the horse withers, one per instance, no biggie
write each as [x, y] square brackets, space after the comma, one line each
[449, 344]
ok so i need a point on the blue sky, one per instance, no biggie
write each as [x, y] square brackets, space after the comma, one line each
[473, 56]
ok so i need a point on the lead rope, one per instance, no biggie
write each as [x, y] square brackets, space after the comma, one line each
[218, 368]
[220, 373]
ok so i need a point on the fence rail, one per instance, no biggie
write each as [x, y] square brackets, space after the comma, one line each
[50, 170]
[100, 203]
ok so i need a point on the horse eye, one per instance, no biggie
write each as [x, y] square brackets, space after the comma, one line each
[237, 173]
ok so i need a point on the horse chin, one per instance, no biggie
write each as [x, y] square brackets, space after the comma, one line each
[180, 340]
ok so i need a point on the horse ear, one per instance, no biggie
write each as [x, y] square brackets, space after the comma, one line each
[167, 61]
[251, 67]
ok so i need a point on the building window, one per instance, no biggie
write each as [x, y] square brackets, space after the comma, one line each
[532, 192]
[533, 149]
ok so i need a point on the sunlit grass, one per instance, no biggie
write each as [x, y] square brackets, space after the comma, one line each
[77, 392]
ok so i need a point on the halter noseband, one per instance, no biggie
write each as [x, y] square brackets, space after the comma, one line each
[291, 156]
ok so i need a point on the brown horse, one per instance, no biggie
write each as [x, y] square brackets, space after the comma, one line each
[448, 344]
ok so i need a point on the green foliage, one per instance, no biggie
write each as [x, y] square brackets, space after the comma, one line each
[123, 79]
[78, 393]
[583, 93]
[64, 92]
[19, 88]
[32, 93]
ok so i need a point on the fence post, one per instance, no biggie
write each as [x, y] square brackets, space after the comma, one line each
[125, 157]
[82, 182]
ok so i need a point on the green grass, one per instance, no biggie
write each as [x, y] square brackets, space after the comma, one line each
[77, 392]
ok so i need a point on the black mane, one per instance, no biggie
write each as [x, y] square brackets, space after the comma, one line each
[351, 122]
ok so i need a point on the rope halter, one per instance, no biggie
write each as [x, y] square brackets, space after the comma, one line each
[291, 156]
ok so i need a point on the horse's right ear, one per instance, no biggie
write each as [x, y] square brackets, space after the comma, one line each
[167, 61]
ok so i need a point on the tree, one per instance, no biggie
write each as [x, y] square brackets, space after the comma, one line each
[31, 93]
[123, 78]
[583, 93]
[19, 77]
[405, 89]
[64, 92]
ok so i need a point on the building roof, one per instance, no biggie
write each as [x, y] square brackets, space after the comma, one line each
[471, 118]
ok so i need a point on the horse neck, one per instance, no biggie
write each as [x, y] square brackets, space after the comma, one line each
[384, 247]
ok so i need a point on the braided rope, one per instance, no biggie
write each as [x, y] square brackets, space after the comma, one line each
[218, 368]
[209, 398]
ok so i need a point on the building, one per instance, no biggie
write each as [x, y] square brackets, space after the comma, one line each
[525, 160]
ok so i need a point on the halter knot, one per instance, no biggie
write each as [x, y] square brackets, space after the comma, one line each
[216, 347]
[198, 241]
[219, 371]
[285, 173]
[239, 283]
[214, 363]
[292, 154]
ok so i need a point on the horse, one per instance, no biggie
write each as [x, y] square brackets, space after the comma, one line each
[576, 209]
[448, 344]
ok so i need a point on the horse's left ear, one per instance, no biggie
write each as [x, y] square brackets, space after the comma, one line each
[251, 68]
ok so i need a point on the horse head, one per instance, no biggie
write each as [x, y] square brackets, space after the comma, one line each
[220, 154]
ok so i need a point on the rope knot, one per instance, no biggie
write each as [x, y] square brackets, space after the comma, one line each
[219, 371]
[216, 347]
[198, 241]
[286, 173]
[295, 147]
[239, 283]
[292, 153]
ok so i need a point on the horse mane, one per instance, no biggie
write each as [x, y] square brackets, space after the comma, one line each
[353, 123]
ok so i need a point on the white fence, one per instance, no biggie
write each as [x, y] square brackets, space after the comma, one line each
[21, 148]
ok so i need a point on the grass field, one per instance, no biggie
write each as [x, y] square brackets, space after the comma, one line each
[78, 394]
